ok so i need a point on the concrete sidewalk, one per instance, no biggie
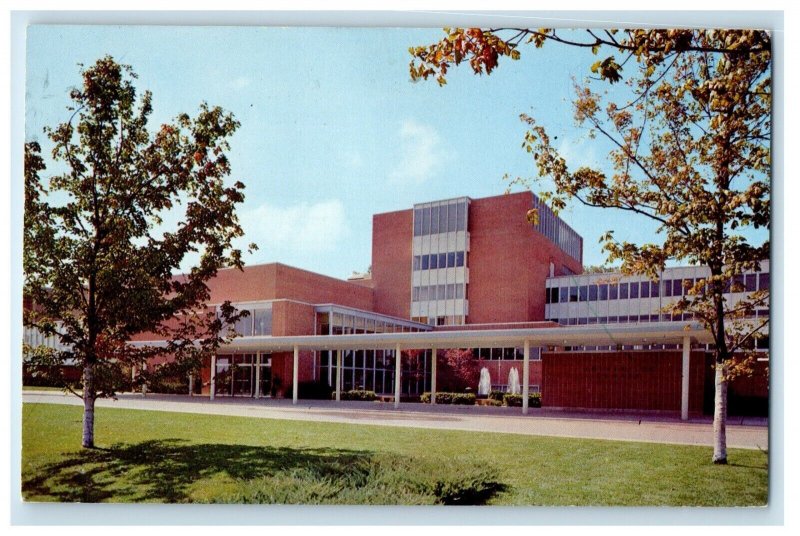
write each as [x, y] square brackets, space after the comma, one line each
[749, 433]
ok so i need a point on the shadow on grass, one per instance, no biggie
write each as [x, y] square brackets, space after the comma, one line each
[165, 471]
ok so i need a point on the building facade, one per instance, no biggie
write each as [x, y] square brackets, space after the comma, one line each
[461, 264]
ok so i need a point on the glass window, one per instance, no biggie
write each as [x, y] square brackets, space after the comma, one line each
[592, 292]
[440, 292]
[434, 220]
[434, 262]
[262, 319]
[451, 217]
[459, 258]
[750, 282]
[677, 287]
[461, 220]
[603, 292]
[613, 291]
[417, 222]
[442, 260]
[563, 295]
[654, 287]
[763, 281]
[582, 321]
[584, 293]
[451, 291]
[415, 294]
[554, 295]
[645, 289]
[623, 291]
[416, 262]
[668, 287]
[573, 294]
[451, 259]
[546, 296]
[244, 326]
[425, 262]
[426, 221]
[602, 320]
[634, 290]
[459, 291]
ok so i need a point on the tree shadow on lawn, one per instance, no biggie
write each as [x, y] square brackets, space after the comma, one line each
[165, 470]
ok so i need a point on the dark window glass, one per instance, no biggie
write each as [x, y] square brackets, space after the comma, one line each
[416, 262]
[434, 262]
[584, 293]
[459, 258]
[417, 222]
[644, 318]
[677, 287]
[602, 320]
[440, 292]
[634, 290]
[451, 259]
[547, 296]
[423, 293]
[613, 291]
[750, 282]
[582, 321]
[592, 292]
[573, 321]
[603, 292]
[426, 221]
[451, 291]
[434, 220]
[461, 220]
[763, 281]
[573, 294]
[563, 294]
[623, 291]
[442, 260]
[459, 291]
[415, 294]
[654, 287]
[645, 289]
[653, 318]
[451, 218]
[425, 262]
[668, 287]
[554, 295]
[592, 320]
[613, 319]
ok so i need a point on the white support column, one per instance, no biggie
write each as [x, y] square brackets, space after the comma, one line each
[526, 373]
[338, 375]
[295, 364]
[212, 390]
[397, 369]
[433, 376]
[687, 348]
[191, 384]
[258, 375]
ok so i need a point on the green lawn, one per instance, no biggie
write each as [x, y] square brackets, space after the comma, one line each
[148, 456]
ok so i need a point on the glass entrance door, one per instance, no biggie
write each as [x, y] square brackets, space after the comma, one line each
[236, 375]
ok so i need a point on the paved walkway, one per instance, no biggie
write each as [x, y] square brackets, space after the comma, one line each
[749, 433]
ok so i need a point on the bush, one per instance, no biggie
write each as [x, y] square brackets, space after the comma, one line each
[311, 390]
[497, 395]
[515, 401]
[358, 394]
[456, 399]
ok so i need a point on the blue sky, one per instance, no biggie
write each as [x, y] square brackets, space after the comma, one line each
[332, 129]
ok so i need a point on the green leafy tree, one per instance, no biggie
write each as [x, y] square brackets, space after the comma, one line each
[98, 257]
[690, 142]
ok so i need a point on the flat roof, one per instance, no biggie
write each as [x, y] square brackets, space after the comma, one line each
[600, 335]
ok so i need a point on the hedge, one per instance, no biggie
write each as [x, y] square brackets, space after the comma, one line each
[357, 394]
[456, 399]
[534, 400]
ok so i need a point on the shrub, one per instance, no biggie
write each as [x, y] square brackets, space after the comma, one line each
[358, 394]
[515, 401]
[457, 399]
[497, 395]
[311, 390]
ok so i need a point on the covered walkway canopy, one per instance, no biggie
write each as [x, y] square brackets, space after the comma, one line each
[684, 333]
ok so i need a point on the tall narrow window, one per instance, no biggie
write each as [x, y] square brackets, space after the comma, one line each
[434, 220]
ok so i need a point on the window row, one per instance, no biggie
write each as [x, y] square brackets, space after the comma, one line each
[434, 261]
[437, 219]
[623, 319]
[348, 324]
[554, 228]
[647, 289]
[452, 291]
[257, 322]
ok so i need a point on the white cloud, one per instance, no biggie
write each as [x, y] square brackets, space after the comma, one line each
[422, 153]
[579, 151]
[283, 232]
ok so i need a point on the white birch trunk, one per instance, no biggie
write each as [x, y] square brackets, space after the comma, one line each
[88, 406]
[720, 415]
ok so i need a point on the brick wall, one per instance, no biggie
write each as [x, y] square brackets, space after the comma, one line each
[392, 235]
[636, 380]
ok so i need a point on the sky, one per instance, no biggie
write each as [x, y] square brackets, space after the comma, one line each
[332, 128]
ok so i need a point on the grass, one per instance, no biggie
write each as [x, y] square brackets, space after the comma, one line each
[148, 456]
[35, 388]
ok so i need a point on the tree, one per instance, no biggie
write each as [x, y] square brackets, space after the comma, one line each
[459, 370]
[97, 259]
[690, 151]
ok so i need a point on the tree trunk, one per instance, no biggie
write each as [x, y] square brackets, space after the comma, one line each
[720, 414]
[88, 406]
